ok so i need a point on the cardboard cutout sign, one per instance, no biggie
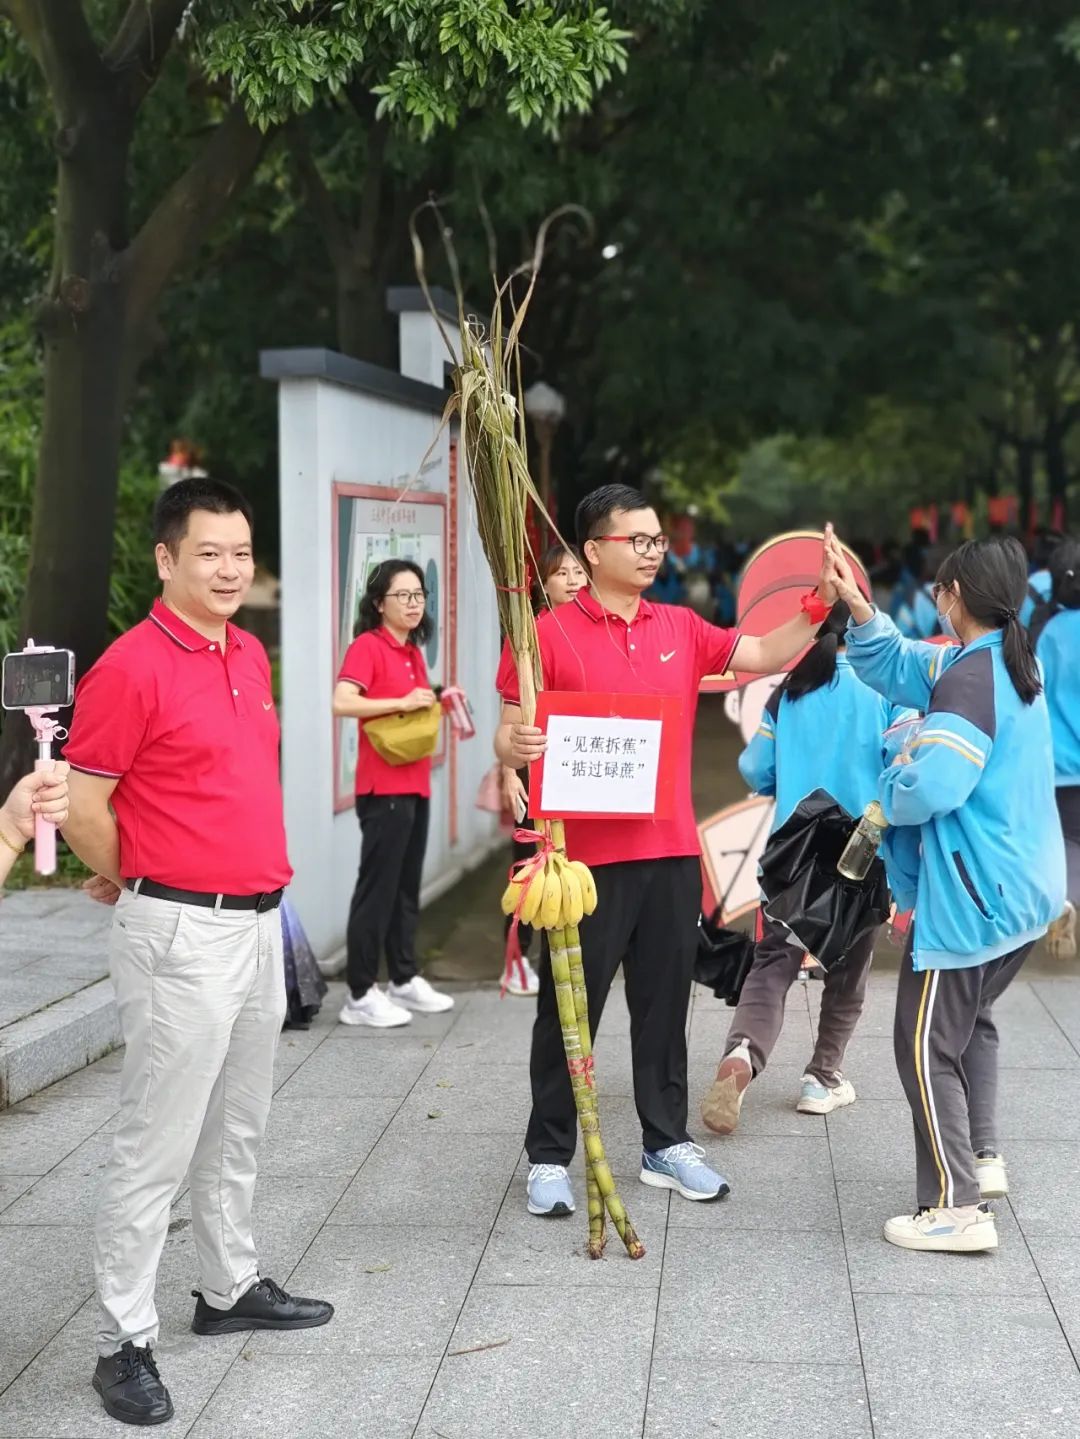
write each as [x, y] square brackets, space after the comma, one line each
[732, 841]
[774, 579]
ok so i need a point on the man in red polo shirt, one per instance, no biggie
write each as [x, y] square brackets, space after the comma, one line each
[176, 806]
[648, 877]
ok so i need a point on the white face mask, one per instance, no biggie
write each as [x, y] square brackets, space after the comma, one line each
[945, 621]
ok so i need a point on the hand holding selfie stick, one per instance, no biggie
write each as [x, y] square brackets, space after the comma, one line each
[50, 679]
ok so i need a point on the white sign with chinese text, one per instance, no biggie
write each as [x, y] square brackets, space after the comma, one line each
[601, 766]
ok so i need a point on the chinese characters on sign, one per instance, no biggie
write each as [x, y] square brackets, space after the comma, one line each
[601, 765]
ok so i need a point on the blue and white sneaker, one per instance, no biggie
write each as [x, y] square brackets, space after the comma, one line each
[963, 1230]
[549, 1190]
[818, 1098]
[682, 1167]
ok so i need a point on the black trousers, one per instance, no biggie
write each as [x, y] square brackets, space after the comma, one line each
[645, 920]
[386, 901]
[1068, 803]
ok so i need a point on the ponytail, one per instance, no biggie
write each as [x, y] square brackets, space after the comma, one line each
[1018, 653]
[992, 578]
[818, 666]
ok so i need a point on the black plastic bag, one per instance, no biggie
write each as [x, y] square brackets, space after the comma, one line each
[305, 987]
[824, 912]
[724, 958]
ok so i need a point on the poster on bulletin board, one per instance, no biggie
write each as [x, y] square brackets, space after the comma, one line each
[373, 523]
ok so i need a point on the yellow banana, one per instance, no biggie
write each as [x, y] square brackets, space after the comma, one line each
[573, 901]
[551, 903]
[511, 894]
[588, 885]
[534, 897]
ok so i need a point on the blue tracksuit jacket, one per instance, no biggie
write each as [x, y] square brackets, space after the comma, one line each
[831, 739]
[1059, 653]
[978, 848]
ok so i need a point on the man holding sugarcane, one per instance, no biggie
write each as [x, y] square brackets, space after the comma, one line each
[647, 870]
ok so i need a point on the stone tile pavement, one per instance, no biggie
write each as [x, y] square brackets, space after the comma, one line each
[392, 1183]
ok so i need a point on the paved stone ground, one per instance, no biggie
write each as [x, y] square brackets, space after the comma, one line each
[393, 1183]
[52, 944]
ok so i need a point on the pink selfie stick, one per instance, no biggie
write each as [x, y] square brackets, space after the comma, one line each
[46, 730]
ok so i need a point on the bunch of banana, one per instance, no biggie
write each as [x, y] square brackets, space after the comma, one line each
[556, 895]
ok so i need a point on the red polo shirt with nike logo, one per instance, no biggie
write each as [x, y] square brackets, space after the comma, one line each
[190, 734]
[664, 650]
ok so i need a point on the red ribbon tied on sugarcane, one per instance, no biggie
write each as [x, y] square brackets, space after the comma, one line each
[584, 1067]
[522, 872]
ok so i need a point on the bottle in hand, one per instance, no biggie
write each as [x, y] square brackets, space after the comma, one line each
[864, 843]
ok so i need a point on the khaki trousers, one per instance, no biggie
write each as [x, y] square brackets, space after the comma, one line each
[202, 1000]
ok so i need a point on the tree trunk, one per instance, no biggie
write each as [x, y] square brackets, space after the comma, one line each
[1057, 471]
[363, 325]
[82, 327]
[1025, 481]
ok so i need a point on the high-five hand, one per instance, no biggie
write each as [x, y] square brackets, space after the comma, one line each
[826, 587]
[842, 580]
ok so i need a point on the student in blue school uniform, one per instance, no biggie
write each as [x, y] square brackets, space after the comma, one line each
[986, 873]
[822, 729]
[1040, 580]
[1055, 633]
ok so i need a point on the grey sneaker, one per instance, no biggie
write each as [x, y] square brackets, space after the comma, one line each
[682, 1167]
[549, 1190]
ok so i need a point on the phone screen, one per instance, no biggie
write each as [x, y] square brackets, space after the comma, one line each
[45, 677]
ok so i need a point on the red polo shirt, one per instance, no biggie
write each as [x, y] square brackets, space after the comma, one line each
[665, 650]
[384, 670]
[191, 736]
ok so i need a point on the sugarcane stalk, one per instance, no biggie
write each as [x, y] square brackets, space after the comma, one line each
[585, 1092]
[597, 1227]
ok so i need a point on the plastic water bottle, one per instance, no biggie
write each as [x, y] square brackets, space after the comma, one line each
[863, 845]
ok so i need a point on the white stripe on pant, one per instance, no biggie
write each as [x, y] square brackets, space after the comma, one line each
[202, 1000]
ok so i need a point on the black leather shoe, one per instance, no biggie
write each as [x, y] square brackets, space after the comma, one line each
[264, 1306]
[130, 1387]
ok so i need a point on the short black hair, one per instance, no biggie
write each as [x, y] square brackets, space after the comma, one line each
[378, 587]
[174, 506]
[593, 514]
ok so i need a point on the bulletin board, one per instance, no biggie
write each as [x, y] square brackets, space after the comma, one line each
[372, 523]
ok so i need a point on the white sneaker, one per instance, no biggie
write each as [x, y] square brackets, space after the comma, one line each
[990, 1172]
[818, 1098]
[419, 995]
[964, 1230]
[523, 980]
[1061, 937]
[375, 1010]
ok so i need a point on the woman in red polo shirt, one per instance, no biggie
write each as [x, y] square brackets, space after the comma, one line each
[384, 673]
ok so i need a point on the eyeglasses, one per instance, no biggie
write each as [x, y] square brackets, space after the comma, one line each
[408, 597]
[642, 543]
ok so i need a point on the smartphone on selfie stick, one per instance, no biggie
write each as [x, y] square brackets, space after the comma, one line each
[40, 680]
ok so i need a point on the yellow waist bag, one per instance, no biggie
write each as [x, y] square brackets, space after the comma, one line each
[406, 738]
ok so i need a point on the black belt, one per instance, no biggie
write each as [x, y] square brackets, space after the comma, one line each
[260, 902]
